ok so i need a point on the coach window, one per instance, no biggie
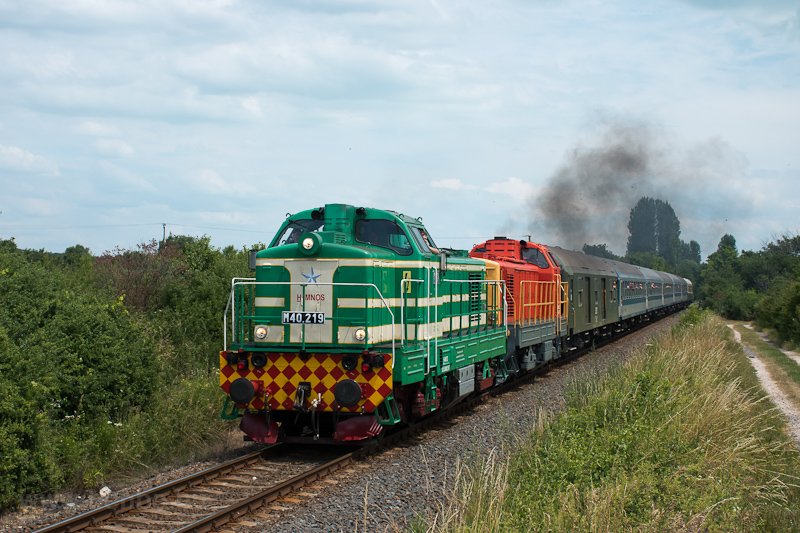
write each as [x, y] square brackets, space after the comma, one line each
[383, 233]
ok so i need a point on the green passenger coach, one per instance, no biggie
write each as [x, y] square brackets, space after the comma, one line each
[354, 322]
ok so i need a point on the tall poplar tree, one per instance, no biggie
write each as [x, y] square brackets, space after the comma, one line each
[642, 227]
[655, 229]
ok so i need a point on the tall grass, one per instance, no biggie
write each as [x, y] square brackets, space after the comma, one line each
[680, 437]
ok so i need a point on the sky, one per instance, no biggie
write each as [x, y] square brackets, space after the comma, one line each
[220, 117]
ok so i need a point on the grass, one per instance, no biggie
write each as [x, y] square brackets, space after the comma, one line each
[681, 437]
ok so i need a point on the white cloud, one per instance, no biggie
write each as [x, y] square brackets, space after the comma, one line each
[19, 160]
[127, 178]
[231, 218]
[114, 147]
[97, 129]
[452, 184]
[252, 105]
[40, 206]
[208, 180]
[513, 187]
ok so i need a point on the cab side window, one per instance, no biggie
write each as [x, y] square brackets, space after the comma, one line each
[423, 242]
[383, 233]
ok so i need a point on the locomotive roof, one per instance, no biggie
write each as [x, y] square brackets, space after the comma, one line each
[372, 211]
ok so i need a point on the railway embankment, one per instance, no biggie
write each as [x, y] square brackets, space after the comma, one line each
[680, 437]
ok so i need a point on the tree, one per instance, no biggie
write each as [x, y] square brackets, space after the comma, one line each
[654, 228]
[722, 286]
[694, 252]
[642, 227]
[775, 272]
[648, 260]
[668, 231]
[600, 250]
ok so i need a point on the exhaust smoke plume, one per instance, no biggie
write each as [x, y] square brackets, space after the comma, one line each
[589, 198]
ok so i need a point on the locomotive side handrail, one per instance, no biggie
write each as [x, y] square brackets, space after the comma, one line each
[241, 282]
[488, 310]
[403, 306]
[538, 291]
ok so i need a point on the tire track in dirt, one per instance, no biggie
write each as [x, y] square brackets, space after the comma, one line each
[777, 396]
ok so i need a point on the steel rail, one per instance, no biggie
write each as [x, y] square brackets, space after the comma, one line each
[142, 499]
[256, 501]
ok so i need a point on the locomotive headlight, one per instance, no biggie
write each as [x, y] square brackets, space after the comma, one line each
[360, 334]
[308, 243]
[261, 332]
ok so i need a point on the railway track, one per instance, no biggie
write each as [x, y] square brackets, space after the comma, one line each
[209, 499]
[212, 497]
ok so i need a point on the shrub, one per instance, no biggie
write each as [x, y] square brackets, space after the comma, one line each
[84, 360]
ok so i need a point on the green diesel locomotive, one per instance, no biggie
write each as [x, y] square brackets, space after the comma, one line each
[355, 322]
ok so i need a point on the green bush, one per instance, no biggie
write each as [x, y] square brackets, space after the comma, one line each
[181, 287]
[25, 465]
[85, 361]
[779, 310]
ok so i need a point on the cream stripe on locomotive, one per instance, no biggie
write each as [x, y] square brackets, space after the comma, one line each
[372, 303]
[378, 334]
[270, 301]
[376, 303]
[372, 263]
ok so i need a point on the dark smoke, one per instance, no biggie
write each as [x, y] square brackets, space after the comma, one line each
[587, 200]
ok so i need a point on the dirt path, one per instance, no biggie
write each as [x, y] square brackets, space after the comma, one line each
[788, 409]
[794, 356]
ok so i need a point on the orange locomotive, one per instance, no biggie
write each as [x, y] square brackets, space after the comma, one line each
[536, 300]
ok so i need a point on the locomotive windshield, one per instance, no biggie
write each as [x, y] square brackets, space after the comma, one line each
[291, 234]
[535, 257]
[383, 233]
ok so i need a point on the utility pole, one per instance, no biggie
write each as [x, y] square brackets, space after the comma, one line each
[164, 236]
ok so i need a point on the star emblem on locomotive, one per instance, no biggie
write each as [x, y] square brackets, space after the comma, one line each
[311, 278]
